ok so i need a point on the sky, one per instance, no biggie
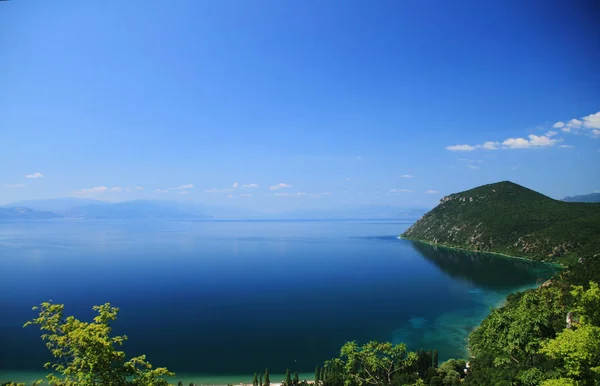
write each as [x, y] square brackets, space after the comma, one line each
[297, 104]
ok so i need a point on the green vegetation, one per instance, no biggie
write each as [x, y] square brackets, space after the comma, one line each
[510, 219]
[86, 354]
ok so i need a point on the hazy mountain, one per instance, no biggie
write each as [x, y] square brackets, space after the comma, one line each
[356, 212]
[136, 210]
[55, 204]
[508, 218]
[22, 213]
[592, 197]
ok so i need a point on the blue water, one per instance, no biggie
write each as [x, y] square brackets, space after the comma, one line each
[223, 298]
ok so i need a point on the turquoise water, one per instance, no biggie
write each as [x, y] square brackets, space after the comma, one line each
[216, 301]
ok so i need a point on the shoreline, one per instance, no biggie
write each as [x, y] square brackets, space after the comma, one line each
[562, 266]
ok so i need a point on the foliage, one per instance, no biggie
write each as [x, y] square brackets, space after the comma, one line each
[526, 341]
[86, 354]
[507, 218]
[376, 363]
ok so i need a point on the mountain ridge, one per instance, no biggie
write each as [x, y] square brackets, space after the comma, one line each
[510, 219]
[592, 197]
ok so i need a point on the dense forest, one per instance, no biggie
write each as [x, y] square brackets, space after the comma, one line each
[507, 218]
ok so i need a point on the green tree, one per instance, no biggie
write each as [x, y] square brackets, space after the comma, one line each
[86, 354]
[317, 375]
[255, 380]
[288, 378]
[375, 362]
[435, 358]
[267, 379]
[296, 380]
[260, 380]
[578, 348]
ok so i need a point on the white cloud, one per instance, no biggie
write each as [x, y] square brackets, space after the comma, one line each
[431, 191]
[400, 191]
[533, 141]
[139, 188]
[161, 191]
[596, 133]
[183, 187]
[250, 186]
[592, 121]
[551, 133]
[95, 189]
[297, 194]
[230, 196]
[348, 178]
[15, 186]
[566, 146]
[324, 194]
[235, 185]
[246, 195]
[575, 125]
[471, 166]
[461, 148]
[116, 189]
[280, 185]
[34, 175]
[406, 176]
[216, 190]
[490, 145]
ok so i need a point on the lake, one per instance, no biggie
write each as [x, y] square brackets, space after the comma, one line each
[214, 299]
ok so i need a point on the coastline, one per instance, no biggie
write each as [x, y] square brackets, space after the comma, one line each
[559, 265]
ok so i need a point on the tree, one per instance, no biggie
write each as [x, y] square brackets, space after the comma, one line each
[578, 348]
[296, 380]
[435, 358]
[267, 380]
[86, 353]
[376, 363]
[255, 380]
[288, 378]
[317, 375]
[261, 380]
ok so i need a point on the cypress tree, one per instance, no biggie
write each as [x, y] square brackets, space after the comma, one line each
[261, 380]
[296, 379]
[288, 378]
[267, 380]
[323, 375]
[255, 380]
[435, 358]
[317, 375]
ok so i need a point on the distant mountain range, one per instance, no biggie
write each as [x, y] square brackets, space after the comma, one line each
[143, 209]
[592, 197]
[21, 213]
[508, 218]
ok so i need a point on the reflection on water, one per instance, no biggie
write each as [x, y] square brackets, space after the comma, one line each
[489, 271]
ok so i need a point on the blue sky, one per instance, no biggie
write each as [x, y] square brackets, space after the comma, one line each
[297, 104]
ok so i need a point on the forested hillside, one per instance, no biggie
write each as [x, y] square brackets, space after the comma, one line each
[508, 218]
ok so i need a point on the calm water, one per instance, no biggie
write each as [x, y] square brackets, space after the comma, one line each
[223, 298]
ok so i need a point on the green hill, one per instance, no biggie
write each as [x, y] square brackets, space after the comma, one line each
[510, 219]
